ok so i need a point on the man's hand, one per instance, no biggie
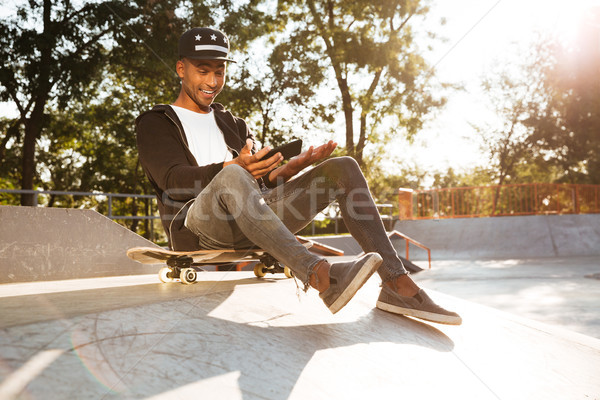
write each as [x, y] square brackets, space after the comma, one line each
[251, 162]
[309, 157]
[303, 160]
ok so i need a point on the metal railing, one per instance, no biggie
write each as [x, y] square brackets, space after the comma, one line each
[109, 197]
[502, 200]
[409, 241]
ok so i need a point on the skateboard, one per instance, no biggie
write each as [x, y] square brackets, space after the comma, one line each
[184, 265]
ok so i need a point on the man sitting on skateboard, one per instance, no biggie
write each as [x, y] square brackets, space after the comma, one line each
[215, 192]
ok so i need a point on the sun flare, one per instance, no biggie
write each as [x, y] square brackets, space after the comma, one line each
[564, 19]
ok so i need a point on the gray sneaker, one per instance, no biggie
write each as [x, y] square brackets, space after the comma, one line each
[419, 306]
[346, 278]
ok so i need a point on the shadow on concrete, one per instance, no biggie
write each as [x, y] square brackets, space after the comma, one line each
[150, 339]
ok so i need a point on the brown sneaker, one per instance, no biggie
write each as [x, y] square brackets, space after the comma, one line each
[346, 278]
[419, 306]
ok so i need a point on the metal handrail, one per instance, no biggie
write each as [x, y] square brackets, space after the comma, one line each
[410, 240]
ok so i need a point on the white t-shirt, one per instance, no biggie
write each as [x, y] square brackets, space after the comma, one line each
[204, 137]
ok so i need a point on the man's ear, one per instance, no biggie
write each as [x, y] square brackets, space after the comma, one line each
[179, 68]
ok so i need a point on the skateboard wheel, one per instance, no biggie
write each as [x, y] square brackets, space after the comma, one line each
[260, 270]
[162, 275]
[187, 276]
[288, 272]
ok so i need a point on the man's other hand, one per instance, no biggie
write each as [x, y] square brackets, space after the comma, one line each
[309, 157]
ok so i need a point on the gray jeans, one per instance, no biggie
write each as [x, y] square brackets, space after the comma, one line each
[232, 212]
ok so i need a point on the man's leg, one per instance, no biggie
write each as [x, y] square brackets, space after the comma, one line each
[298, 202]
[230, 212]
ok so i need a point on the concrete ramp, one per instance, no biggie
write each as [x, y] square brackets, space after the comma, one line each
[41, 244]
[536, 236]
[233, 336]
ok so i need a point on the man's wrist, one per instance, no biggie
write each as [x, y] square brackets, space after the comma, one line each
[281, 174]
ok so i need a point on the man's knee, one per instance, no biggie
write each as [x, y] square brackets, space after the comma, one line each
[346, 162]
[339, 167]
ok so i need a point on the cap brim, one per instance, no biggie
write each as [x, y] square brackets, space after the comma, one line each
[210, 58]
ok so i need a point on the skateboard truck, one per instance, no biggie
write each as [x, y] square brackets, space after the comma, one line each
[268, 264]
[179, 268]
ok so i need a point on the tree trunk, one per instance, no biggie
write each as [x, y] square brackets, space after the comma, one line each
[33, 124]
[28, 162]
[348, 112]
[366, 102]
[361, 139]
[497, 194]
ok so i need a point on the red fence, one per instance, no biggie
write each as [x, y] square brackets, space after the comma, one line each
[500, 200]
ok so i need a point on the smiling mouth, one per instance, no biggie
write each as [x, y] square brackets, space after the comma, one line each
[208, 91]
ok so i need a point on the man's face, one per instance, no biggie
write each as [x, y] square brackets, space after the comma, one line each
[202, 81]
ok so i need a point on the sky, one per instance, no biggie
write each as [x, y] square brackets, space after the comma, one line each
[480, 34]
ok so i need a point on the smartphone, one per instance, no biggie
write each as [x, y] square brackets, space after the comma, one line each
[287, 150]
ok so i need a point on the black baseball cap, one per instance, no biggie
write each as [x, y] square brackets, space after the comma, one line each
[204, 44]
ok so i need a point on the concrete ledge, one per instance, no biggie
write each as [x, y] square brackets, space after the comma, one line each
[506, 237]
[41, 244]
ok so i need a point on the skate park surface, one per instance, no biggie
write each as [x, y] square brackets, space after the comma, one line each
[122, 334]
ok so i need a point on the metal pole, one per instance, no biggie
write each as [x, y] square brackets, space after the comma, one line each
[557, 199]
[535, 193]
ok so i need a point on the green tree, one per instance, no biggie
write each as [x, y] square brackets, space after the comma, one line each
[52, 52]
[367, 49]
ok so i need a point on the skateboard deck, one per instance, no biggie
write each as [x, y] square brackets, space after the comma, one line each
[152, 255]
[183, 265]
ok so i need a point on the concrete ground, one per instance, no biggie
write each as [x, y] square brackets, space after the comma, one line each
[233, 336]
[560, 291]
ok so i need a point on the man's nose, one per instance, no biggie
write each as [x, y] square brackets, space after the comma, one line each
[212, 80]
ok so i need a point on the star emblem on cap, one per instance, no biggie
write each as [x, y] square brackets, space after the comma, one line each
[224, 39]
[213, 37]
[198, 37]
